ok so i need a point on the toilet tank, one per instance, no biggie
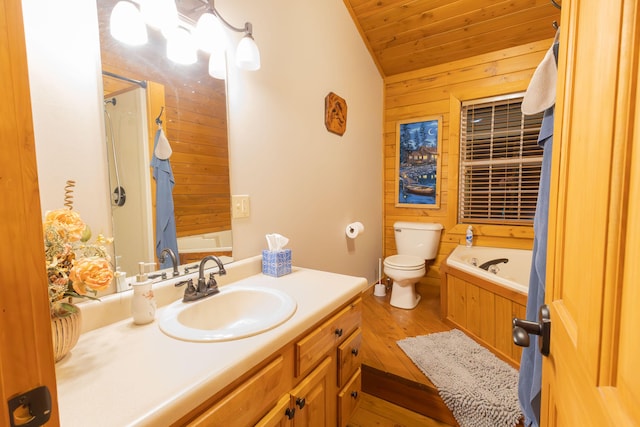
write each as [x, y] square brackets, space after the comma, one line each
[419, 239]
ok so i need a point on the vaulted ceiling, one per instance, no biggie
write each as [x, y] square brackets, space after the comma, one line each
[407, 35]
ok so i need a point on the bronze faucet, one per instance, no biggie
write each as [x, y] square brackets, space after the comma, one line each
[174, 260]
[205, 288]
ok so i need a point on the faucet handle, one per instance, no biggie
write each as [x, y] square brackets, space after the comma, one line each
[190, 292]
[212, 281]
[184, 282]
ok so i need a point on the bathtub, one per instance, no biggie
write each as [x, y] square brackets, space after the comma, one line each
[194, 248]
[481, 303]
[209, 242]
[512, 275]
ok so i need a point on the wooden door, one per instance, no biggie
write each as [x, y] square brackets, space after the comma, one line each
[26, 352]
[591, 377]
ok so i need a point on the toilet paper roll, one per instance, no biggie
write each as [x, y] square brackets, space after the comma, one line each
[354, 229]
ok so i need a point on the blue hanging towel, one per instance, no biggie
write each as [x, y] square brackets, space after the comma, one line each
[530, 376]
[530, 380]
[165, 218]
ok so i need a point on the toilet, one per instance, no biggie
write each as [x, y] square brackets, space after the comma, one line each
[416, 243]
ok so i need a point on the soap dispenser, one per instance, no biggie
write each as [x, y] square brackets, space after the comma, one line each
[469, 237]
[143, 303]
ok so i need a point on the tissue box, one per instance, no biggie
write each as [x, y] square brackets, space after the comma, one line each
[276, 263]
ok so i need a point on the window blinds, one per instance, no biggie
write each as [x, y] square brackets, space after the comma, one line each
[500, 162]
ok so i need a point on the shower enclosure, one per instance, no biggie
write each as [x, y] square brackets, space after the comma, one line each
[129, 179]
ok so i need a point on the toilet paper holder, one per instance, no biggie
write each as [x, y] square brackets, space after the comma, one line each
[354, 229]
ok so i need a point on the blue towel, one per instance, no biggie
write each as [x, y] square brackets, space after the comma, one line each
[165, 219]
[529, 384]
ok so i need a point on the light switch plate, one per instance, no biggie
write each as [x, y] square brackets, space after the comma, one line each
[240, 207]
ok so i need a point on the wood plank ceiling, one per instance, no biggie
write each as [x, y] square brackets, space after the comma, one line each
[407, 35]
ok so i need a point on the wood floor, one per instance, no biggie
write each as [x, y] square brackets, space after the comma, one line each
[374, 412]
[384, 324]
[387, 372]
[393, 387]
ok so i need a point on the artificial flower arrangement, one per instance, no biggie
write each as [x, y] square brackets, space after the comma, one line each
[75, 267]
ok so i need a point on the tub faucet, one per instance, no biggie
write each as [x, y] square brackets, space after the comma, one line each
[174, 260]
[488, 264]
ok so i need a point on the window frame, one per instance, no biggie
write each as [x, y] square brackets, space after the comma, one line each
[514, 236]
[499, 162]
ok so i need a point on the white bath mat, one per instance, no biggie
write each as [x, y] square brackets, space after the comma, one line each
[480, 389]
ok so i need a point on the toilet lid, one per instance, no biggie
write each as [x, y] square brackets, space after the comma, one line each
[404, 262]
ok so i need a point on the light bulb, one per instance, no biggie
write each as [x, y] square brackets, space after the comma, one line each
[217, 65]
[126, 24]
[180, 47]
[247, 54]
[209, 33]
[160, 14]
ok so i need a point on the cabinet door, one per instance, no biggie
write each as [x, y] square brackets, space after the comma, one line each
[249, 401]
[349, 398]
[309, 398]
[280, 415]
[349, 357]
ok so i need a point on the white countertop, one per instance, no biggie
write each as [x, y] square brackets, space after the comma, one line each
[123, 374]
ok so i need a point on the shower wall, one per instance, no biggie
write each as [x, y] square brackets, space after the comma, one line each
[127, 136]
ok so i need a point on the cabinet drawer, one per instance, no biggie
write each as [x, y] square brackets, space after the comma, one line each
[348, 399]
[247, 403]
[317, 343]
[349, 356]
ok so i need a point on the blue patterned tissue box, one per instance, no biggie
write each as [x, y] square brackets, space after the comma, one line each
[276, 263]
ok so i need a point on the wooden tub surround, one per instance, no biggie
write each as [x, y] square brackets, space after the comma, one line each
[483, 310]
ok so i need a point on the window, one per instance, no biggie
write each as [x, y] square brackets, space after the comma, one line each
[500, 162]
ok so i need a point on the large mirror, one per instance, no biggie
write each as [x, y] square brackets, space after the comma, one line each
[144, 90]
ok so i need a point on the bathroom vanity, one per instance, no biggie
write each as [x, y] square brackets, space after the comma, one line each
[307, 368]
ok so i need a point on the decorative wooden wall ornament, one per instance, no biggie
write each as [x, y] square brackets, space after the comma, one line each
[335, 114]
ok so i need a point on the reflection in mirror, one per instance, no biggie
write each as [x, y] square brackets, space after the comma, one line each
[192, 108]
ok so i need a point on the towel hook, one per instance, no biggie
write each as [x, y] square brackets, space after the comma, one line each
[158, 121]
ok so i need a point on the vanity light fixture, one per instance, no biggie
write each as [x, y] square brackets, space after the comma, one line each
[180, 46]
[161, 15]
[126, 24]
[247, 53]
[183, 37]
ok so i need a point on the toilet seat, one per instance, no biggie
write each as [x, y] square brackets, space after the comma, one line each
[404, 262]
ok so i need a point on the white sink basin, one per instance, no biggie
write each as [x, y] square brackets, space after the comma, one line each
[236, 312]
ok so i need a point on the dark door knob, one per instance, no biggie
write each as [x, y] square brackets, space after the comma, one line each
[523, 328]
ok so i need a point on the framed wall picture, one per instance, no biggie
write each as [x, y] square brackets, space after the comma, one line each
[418, 162]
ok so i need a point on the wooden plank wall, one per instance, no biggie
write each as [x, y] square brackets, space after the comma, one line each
[439, 90]
[195, 125]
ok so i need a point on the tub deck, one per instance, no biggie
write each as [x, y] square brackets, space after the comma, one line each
[387, 372]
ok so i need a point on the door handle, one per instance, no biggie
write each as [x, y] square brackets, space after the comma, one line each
[542, 328]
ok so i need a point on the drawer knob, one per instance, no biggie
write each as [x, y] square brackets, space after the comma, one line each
[301, 402]
[354, 351]
[290, 412]
[354, 394]
[339, 332]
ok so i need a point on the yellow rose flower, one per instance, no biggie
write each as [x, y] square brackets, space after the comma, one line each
[93, 273]
[67, 222]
